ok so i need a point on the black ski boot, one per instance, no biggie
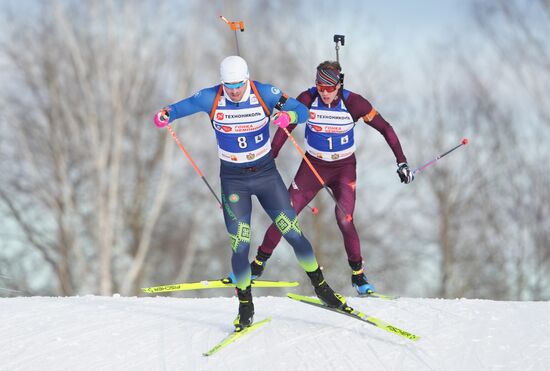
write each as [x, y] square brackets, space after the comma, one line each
[324, 292]
[246, 309]
[359, 279]
[257, 266]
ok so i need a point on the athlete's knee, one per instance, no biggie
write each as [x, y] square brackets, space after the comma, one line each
[240, 239]
[287, 224]
[343, 219]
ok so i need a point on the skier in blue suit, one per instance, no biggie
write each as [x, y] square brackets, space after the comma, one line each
[240, 110]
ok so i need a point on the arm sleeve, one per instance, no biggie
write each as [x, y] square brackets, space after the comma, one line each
[200, 102]
[359, 107]
[280, 136]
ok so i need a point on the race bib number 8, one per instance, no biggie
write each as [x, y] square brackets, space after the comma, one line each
[242, 142]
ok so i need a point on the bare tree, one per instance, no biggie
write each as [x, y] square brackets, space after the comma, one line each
[92, 178]
[489, 204]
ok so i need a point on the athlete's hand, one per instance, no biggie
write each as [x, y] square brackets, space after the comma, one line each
[282, 119]
[162, 117]
[405, 174]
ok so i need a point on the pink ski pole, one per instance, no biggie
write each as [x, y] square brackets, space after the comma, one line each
[418, 169]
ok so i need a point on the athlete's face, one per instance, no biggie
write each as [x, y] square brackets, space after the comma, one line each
[235, 90]
[328, 93]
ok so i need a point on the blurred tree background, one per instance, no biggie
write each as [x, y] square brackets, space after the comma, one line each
[95, 200]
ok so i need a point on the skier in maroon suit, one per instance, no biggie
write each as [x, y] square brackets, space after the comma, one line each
[331, 149]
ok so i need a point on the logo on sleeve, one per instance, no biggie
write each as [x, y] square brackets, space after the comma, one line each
[274, 90]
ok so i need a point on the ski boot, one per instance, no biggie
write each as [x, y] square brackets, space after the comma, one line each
[325, 292]
[257, 266]
[229, 279]
[256, 269]
[359, 279]
[246, 309]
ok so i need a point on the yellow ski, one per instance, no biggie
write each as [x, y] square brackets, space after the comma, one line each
[214, 284]
[236, 335]
[357, 315]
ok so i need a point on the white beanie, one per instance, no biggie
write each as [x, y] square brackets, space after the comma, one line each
[233, 69]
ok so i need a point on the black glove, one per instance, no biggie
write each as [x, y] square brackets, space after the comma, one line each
[405, 174]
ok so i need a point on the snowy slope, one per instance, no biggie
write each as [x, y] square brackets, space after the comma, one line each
[160, 333]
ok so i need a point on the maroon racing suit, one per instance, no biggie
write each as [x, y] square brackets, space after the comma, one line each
[339, 174]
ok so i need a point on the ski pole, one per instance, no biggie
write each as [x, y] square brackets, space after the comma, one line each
[463, 142]
[192, 162]
[348, 216]
[234, 26]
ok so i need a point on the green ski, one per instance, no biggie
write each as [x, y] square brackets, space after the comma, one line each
[214, 284]
[236, 335]
[357, 315]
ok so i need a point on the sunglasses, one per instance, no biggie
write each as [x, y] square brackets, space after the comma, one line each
[327, 88]
[235, 85]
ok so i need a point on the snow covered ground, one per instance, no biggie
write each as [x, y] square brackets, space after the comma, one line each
[161, 333]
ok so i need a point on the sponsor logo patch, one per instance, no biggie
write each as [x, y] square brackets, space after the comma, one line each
[223, 128]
